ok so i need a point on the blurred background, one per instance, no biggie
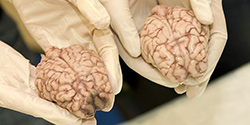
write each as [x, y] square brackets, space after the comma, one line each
[139, 95]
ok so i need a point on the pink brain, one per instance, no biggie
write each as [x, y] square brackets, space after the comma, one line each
[175, 42]
[76, 79]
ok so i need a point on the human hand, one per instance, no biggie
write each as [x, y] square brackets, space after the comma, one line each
[218, 35]
[58, 23]
[101, 13]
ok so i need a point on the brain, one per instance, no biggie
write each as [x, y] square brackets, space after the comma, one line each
[76, 79]
[175, 42]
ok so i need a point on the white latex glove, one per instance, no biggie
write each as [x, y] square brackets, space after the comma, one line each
[96, 11]
[207, 12]
[52, 23]
[123, 25]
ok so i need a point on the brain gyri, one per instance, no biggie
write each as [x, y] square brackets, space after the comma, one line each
[175, 42]
[76, 79]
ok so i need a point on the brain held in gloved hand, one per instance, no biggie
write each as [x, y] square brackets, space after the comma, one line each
[175, 42]
[76, 79]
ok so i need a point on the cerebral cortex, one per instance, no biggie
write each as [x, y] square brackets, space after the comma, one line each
[75, 78]
[175, 42]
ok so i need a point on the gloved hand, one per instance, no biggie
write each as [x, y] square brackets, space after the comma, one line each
[123, 25]
[18, 92]
[207, 12]
[96, 11]
[52, 23]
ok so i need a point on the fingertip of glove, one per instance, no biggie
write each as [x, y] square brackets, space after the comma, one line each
[206, 20]
[180, 89]
[132, 46]
[119, 82]
[134, 52]
[203, 11]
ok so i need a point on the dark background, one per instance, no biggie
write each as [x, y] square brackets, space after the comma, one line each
[138, 94]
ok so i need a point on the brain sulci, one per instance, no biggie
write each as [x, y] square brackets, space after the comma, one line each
[76, 79]
[175, 42]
